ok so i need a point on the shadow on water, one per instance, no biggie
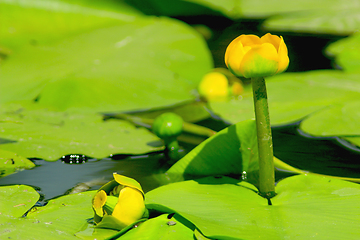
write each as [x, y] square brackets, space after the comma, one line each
[320, 155]
[53, 179]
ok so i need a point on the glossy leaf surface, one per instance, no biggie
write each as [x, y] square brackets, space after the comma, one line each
[59, 219]
[130, 63]
[49, 134]
[304, 208]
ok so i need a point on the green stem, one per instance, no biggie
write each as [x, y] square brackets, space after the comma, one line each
[265, 145]
[172, 147]
[187, 127]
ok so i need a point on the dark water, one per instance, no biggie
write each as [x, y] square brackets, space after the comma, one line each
[53, 179]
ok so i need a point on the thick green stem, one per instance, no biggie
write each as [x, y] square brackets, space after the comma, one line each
[266, 162]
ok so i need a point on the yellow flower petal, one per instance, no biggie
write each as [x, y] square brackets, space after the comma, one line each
[251, 56]
[99, 201]
[130, 206]
[283, 56]
[214, 85]
[249, 40]
[273, 39]
[126, 181]
[260, 61]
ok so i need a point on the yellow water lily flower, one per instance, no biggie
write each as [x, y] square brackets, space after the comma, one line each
[250, 56]
[130, 206]
[119, 203]
[219, 85]
[214, 85]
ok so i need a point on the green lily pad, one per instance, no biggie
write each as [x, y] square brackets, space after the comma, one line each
[17, 200]
[49, 134]
[61, 218]
[35, 22]
[326, 21]
[231, 151]
[336, 120]
[162, 227]
[346, 53]
[11, 162]
[130, 64]
[324, 16]
[340, 120]
[293, 96]
[304, 208]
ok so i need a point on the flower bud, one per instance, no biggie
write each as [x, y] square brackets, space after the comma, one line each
[250, 56]
[168, 126]
[220, 85]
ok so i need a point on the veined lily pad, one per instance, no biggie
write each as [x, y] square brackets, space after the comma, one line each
[16, 200]
[304, 208]
[49, 134]
[61, 218]
[137, 63]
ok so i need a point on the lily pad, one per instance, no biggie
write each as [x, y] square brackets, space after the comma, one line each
[49, 134]
[324, 16]
[11, 162]
[231, 151]
[336, 120]
[17, 200]
[130, 64]
[304, 208]
[61, 218]
[346, 53]
[35, 22]
[162, 227]
[340, 120]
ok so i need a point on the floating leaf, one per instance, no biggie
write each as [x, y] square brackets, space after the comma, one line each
[325, 16]
[16, 200]
[337, 120]
[61, 218]
[35, 22]
[344, 20]
[305, 207]
[134, 63]
[346, 53]
[11, 162]
[162, 227]
[49, 134]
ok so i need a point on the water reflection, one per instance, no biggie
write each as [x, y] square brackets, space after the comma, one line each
[56, 178]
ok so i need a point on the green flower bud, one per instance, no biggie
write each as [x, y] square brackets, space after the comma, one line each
[168, 126]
